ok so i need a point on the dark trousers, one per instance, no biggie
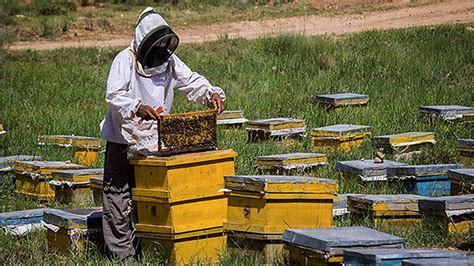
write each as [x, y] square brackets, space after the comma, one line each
[118, 212]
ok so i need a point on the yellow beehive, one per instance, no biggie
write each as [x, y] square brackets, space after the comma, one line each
[270, 204]
[275, 128]
[339, 137]
[404, 144]
[292, 162]
[342, 99]
[97, 188]
[73, 186]
[268, 247]
[86, 149]
[32, 177]
[386, 210]
[466, 152]
[234, 118]
[203, 246]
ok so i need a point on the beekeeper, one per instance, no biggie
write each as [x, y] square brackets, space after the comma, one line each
[141, 84]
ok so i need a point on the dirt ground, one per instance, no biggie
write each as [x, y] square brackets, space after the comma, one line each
[461, 11]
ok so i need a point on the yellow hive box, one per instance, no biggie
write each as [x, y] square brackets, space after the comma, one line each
[275, 128]
[292, 162]
[454, 213]
[405, 144]
[342, 99]
[231, 118]
[2, 130]
[341, 137]
[462, 181]
[97, 188]
[466, 152]
[204, 246]
[73, 186]
[386, 210]
[268, 247]
[86, 149]
[32, 177]
[271, 204]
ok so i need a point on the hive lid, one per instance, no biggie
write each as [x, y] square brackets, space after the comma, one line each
[72, 174]
[32, 166]
[366, 168]
[448, 203]
[378, 255]
[97, 181]
[230, 114]
[187, 158]
[461, 261]
[403, 139]
[275, 124]
[280, 184]
[292, 158]
[326, 239]
[464, 174]
[343, 96]
[421, 170]
[21, 217]
[68, 140]
[387, 199]
[87, 218]
[466, 143]
[340, 131]
[6, 163]
[445, 109]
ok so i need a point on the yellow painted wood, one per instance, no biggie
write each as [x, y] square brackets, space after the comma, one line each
[186, 176]
[407, 139]
[280, 126]
[291, 161]
[2, 128]
[65, 140]
[185, 216]
[304, 257]
[230, 115]
[63, 242]
[39, 188]
[75, 195]
[86, 156]
[341, 136]
[178, 250]
[331, 145]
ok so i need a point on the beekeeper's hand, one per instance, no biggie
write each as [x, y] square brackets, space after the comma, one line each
[217, 103]
[146, 112]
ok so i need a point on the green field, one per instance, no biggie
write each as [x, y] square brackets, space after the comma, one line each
[62, 92]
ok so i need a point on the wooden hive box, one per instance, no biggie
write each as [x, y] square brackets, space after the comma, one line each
[342, 99]
[181, 193]
[269, 248]
[392, 257]
[21, 222]
[73, 186]
[466, 152]
[231, 118]
[341, 137]
[7, 163]
[458, 261]
[385, 210]
[426, 180]
[340, 205]
[97, 188]
[32, 177]
[447, 112]
[324, 246]
[462, 181]
[71, 229]
[86, 149]
[453, 213]
[192, 248]
[291, 163]
[404, 145]
[275, 128]
[366, 170]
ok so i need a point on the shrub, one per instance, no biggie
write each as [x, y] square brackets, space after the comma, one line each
[51, 7]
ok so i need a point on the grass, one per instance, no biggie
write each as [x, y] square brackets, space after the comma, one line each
[62, 92]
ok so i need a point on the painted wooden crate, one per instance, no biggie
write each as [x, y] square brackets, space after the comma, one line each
[453, 213]
[193, 248]
[404, 145]
[466, 152]
[342, 99]
[291, 162]
[366, 170]
[457, 261]
[393, 257]
[97, 188]
[231, 118]
[426, 180]
[73, 186]
[270, 204]
[32, 177]
[86, 149]
[73, 228]
[182, 193]
[462, 181]
[343, 137]
[324, 246]
[340, 205]
[447, 112]
[7, 163]
[269, 248]
[187, 132]
[386, 210]
[275, 128]
[21, 222]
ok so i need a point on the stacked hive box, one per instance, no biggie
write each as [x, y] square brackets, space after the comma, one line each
[453, 213]
[86, 149]
[180, 207]
[325, 246]
[231, 118]
[291, 163]
[447, 112]
[391, 257]
[6, 163]
[462, 181]
[73, 186]
[339, 137]
[461, 261]
[275, 128]
[466, 152]
[72, 229]
[366, 170]
[404, 145]
[97, 188]
[385, 210]
[262, 207]
[426, 180]
[332, 101]
[32, 177]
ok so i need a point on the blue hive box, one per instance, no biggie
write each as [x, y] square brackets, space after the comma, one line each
[393, 257]
[462, 261]
[462, 181]
[426, 180]
[367, 170]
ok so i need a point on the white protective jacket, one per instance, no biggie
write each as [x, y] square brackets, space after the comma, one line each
[127, 89]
